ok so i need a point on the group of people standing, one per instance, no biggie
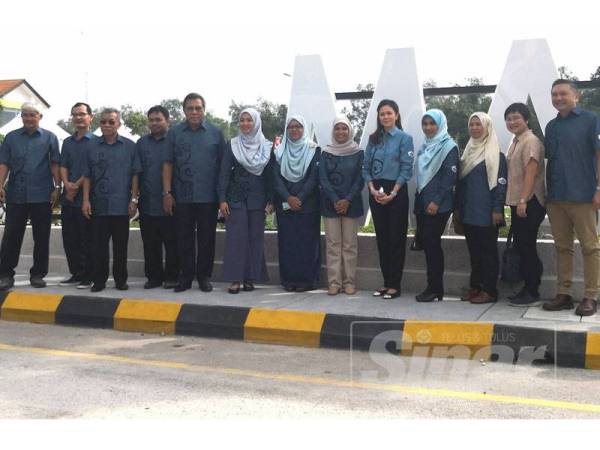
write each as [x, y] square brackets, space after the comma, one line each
[182, 176]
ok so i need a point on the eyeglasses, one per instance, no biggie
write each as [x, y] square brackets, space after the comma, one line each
[194, 108]
[109, 122]
[79, 114]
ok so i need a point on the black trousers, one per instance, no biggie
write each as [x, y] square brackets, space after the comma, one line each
[14, 231]
[482, 242]
[430, 230]
[77, 241]
[525, 231]
[196, 225]
[158, 232]
[391, 226]
[105, 228]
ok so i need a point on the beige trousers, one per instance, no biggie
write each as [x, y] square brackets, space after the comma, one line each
[342, 250]
[567, 219]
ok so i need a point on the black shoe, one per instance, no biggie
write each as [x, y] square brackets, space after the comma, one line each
[122, 286]
[170, 284]
[84, 284]
[98, 287]
[71, 281]
[517, 294]
[248, 286]
[6, 283]
[526, 300]
[428, 296]
[233, 290]
[37, 282]
[303, 289]
[182, 287]
[379, 292]
[290, 288]
[389, 296]
[205, 285]
[151, 284]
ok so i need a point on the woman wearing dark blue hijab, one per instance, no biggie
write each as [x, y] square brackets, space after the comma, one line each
[436, 170]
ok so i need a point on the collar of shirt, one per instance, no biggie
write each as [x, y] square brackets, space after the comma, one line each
[577, 111]
[157, 139]
[88, 135]
[394, 131]
[119, 139]
[202, 126]
[24, 131]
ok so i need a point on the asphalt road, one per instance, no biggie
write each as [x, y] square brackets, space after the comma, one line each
[50, 371]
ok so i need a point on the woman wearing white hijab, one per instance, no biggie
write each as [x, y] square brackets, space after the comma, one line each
[295, 181]
[340, 177]
[245, 195]
[480, 197]
[436, 170]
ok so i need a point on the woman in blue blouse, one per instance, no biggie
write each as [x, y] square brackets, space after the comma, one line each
[296, 185]
[340, 177]
[480, 203]
[386, 169]
[244, 191]
[436, 172]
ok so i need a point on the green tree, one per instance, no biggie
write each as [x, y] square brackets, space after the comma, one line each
[175, 109]
[357, 114]
[272, 116]
[222, 124]
[67, 125]
[590, 98]
[135, 120]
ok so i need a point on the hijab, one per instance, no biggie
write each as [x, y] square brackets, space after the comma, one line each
[346, 148]
[252, 150]
[294, 157]
[486, 148]
[434, 150]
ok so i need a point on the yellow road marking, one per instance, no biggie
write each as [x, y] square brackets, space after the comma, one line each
[396, 388]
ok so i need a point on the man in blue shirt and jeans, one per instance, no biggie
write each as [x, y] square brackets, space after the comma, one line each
[572, 143]
[76, 229]
[30, 154]
[191, 170]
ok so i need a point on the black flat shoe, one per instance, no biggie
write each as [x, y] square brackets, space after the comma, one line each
[151, 284]
[205, 285]
[290, 288]
[97, 287]
[428, 296]
[232, 290]
[122, 287]
[182, 287]
[380, 292]
[248, 286]
[388, 296]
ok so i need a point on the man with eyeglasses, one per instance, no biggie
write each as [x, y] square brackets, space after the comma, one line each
[30, 154]
[190, 176]
[110, 188]
[76, 229]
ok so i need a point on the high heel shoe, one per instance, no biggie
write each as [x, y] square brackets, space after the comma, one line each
[428, 296]
[390, 295]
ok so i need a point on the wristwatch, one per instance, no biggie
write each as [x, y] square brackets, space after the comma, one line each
[522, 200]
[597, 188]
[164, 194]
[134, 200]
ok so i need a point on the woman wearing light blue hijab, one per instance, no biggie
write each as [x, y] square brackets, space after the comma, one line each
[296, 186]
[436, 170]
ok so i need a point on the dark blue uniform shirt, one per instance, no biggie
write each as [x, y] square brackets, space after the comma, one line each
[341, 178]
[28, 157]
[151, 153]
[242, 189]
[307, 189]
[571, 143]
[440, 190]
[196, 157]
[475, 200]
[110, 168]
[72, 158]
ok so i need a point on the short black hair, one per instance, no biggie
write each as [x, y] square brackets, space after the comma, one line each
[520, 108]
[193, 96]
[571, 83]
[88, 108]
[158, 109]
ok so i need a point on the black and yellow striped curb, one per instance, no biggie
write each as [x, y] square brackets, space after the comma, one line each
[310, 329]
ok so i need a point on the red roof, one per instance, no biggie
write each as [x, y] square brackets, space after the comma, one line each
[7, 86]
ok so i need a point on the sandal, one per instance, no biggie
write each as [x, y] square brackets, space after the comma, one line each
[380, 292]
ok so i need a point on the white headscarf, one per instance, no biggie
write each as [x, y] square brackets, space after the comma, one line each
[486, 148]
[346, 148]
[295, 157]
[252, 150]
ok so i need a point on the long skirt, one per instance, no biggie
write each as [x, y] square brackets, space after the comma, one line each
[299, 238]
[244, 258]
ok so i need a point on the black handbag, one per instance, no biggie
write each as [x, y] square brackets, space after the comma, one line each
[511, 261]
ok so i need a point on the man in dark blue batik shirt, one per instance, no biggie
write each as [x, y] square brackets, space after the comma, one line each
[190, 175]
[110, 189]
[76, 229]
[156, 226]
[30, 154]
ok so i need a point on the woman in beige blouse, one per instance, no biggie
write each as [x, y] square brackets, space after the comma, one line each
[525, 196]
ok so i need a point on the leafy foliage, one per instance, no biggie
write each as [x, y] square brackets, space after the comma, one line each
[272, 115]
